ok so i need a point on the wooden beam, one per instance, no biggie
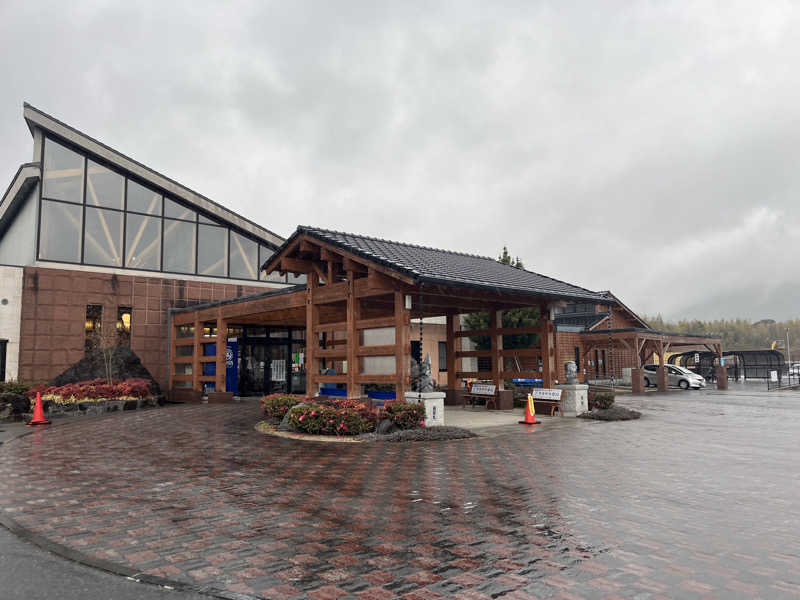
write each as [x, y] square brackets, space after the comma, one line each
[330, 256]
[376, 323]
[452, 323]
[307, 247]
[473, 374]
[353, 310]
[198, 336]
[222, 350]
[496, 339]
[348, 264]
[312, 338]
[383, 350]
[402, 343]
[546, 344]
[472, 353]
[296, 265]
[332, 353]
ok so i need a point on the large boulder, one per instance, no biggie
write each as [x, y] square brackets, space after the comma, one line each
[124, 365]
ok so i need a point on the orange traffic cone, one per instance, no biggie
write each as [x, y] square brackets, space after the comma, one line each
[530, 412]
[38, 413]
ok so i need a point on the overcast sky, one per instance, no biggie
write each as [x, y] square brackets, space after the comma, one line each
[648, 148]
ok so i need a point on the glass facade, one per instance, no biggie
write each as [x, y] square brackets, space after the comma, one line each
[91, 214]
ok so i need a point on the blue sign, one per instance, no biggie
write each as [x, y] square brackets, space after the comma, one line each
[232, 367]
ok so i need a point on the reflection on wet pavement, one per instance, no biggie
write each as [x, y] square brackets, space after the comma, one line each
[698, 498]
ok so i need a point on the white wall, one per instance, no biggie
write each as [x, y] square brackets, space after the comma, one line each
[18, 244]
[10, 316]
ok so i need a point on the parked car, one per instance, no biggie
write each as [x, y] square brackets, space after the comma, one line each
[794, 368]
[676, 377]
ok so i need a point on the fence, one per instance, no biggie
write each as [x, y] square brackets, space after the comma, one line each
[783, 377]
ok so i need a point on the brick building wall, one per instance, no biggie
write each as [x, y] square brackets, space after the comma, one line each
[54, 314]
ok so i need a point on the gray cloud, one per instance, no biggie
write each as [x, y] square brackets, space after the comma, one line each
[648, 148]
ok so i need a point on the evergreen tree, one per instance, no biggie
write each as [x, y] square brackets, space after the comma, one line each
[514, 317]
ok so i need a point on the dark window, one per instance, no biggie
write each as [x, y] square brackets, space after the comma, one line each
[212, 250]
[3, 344]
[94, 327]
[244, 257]
[104, 187]
[179, 245]
[63, 173]
[578, 358]
[124, 322]
[143, 200]
[484, 363]
[443, 356]
[596, 363]
[416, 351]
[143, 242]
[102, 243]
[604, 363]
[60, 231]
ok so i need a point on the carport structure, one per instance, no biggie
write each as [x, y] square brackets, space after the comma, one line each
[642, 344]
[357, 307]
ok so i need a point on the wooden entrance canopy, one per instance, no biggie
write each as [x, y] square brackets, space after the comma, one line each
[357, 284]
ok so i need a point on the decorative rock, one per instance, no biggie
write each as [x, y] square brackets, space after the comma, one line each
[572, 371]
[385, 426]
[125, 364]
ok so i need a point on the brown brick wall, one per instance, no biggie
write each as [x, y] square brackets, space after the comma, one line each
[54, 313]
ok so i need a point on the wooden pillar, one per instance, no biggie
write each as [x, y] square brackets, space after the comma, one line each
[546, 345]
[496, 338]
[453, 324]
[312, 337]
[402, 341]
[353, 312]
[722, 371]
[662, 369]
[222, 350]
[197, 369]
[637, 375]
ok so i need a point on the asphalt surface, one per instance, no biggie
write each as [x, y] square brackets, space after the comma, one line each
[29, 573]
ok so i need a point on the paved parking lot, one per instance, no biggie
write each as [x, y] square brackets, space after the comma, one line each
[697, 499]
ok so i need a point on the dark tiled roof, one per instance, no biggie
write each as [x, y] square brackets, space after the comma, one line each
[586, 320]
[432, 265]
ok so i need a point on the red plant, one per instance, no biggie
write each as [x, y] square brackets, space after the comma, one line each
[95, 388]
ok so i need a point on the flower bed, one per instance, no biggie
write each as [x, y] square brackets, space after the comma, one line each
[96, 390]
[319, 419]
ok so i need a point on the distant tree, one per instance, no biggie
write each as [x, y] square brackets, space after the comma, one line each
[738, 334]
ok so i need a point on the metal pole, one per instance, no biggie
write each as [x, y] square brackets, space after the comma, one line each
[788, 350]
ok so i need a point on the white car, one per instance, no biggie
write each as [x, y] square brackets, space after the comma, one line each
[794, 368]
[676, 377]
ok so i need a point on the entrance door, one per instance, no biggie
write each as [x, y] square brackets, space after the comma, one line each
[253, 369]
[279, 368]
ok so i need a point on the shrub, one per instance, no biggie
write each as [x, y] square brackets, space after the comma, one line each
[406, 415]
[320, 419]
[362, 409]
[96, 389]
[603, 401]
[276, 405]
[15, 387]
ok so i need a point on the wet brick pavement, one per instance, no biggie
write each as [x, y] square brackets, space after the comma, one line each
[698, 499]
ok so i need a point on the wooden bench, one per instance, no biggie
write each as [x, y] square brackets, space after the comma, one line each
[481, 391]
[552, 398]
